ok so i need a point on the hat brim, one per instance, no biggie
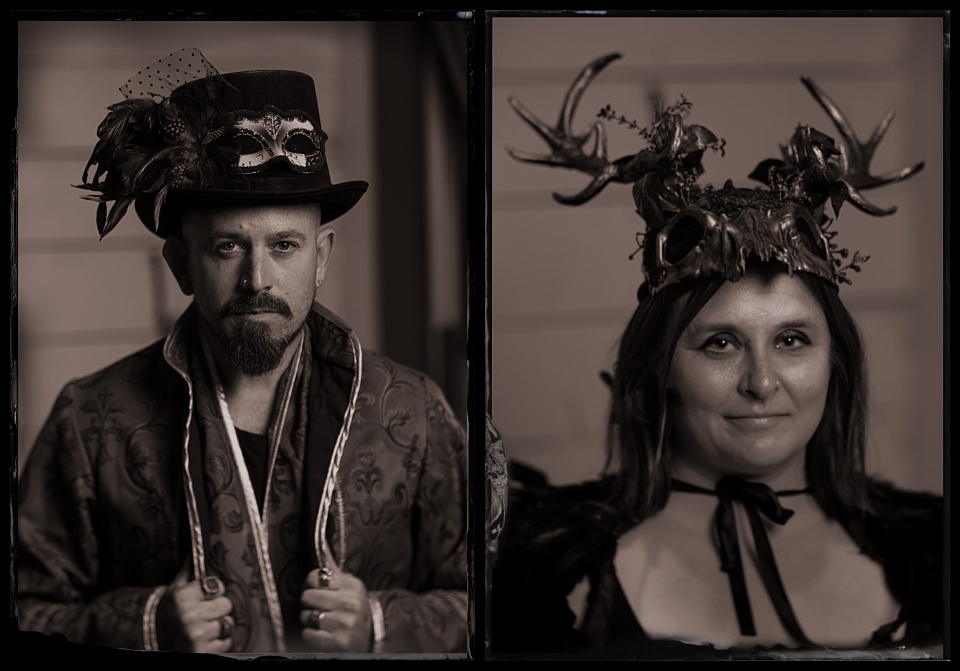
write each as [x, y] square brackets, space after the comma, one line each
[335, 200]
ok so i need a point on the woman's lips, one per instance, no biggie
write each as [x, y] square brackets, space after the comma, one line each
[757, 421]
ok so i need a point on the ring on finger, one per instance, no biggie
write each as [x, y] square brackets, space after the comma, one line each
[212, 587]
[226, 627]
[324, 577]
[316, 618]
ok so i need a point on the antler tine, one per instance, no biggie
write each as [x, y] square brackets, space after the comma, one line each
[895, 175]
[608, 172]
[899, 175]
[572, 99]
[830, 107]
[856, 155]
[865, 205]
[566, 147]
[552, 136]
[882, 127]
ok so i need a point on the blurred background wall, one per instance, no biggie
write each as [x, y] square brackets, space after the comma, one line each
[563, 287]
[393, 99]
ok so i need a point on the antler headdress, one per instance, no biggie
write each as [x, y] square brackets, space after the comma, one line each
[699, 231]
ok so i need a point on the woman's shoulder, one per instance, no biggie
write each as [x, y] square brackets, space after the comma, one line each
[904, 532]
[552, 538]
[544, 517]
[905, 506]
[911, 521]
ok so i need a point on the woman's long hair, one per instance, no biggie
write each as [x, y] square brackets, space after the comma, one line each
[639, 428]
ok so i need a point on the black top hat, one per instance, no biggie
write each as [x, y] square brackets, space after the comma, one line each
[234, 139]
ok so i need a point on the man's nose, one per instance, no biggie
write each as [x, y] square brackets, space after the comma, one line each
[255, 276]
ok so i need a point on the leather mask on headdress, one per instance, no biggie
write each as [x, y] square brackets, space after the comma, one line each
[700, 231]
[186, 136]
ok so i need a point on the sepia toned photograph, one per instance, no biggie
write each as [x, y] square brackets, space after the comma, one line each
[240, 335]
[718, 282]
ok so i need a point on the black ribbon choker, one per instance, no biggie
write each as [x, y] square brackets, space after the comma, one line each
[756, 498]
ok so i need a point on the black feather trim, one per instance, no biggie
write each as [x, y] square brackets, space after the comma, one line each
[147, 146]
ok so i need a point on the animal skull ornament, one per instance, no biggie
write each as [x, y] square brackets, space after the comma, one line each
[698, 242]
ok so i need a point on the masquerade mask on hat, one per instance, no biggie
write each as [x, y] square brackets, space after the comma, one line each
[700, 231]
[187, 137]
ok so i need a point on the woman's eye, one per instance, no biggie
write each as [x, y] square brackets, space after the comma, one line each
[793, 340]
[718, 345]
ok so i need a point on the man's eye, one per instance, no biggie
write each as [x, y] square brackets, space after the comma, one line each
[227, 247]
[285, 246]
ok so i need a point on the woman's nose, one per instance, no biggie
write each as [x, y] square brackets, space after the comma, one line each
[759, 378]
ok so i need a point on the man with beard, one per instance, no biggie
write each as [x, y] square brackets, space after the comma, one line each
[256, 482]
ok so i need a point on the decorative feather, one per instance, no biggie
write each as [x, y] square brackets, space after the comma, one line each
[157, 147]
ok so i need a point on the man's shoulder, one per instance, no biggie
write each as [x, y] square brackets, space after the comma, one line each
[145, 367]
[373, 361]
[380, 375]
[379, 368]
[138, 386]
[402, 389]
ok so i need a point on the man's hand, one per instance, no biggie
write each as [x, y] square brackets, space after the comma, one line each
[191, 618]
[336, 616]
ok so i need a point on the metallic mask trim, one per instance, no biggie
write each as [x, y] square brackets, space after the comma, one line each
[272, 129]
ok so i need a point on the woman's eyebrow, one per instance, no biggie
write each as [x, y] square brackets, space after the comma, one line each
[797, 324]
[701, 327]
[734, 327]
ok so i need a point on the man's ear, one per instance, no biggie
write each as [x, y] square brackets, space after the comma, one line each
[326, 239]
[175, 253]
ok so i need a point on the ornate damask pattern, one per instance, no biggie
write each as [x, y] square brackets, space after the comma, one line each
[405, 506]
[102, 514]
[236, 521]
[96, 505]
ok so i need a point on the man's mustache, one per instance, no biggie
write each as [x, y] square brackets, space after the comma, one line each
[260, 302]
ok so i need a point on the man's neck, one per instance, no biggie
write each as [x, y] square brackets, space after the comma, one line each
[250, 397]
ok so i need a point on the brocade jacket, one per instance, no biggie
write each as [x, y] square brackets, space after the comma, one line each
[133, 485]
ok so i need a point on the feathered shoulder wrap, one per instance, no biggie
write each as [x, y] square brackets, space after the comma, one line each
[555, 537]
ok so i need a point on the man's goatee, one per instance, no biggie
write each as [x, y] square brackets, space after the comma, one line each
[253, 351]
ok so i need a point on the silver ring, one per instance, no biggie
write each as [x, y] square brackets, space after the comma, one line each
[777, 385]
[323, 578]
[244, 283]
[316, 618]
[226, 627]
[212, 587]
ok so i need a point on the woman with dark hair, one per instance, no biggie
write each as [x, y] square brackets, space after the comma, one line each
[641, 393]
[736, 433]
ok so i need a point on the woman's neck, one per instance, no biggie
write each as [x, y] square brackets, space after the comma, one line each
[788, 476]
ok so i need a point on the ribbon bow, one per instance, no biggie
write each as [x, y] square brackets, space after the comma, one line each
[757, 498]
